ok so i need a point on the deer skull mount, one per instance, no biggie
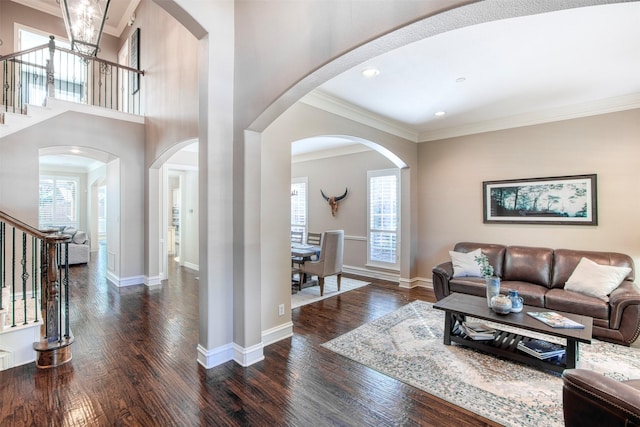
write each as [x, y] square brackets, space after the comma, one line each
[333, 201]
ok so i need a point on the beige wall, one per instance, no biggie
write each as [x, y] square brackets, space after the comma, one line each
[19, 175]
[303, 121]
[169, 57]
[11, 13]
[452, 172]
[333, 175]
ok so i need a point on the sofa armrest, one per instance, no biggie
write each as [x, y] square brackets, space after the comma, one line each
[441, 275]
[626, 295]
[591, 399]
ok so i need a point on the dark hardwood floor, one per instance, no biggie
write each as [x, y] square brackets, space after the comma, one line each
[134, 364]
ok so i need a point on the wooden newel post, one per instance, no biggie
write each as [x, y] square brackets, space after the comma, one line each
[53, 349]
[52, 294]
[51, 82]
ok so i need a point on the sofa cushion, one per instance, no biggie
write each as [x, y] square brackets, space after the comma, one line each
[528, 264]
[465, 264]
[531, 294]
[596, 280]
[469, 285]
[566, 260]
[574, 302]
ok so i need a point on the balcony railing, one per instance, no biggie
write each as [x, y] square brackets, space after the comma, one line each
[30, 76]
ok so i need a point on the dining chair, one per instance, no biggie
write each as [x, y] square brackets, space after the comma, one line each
[297, 236]
[314, 239]
[330, 261]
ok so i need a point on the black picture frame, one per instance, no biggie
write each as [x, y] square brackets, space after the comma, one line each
[134, 60]
[561, 200]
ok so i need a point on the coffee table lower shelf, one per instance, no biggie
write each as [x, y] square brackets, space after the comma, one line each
[505, 345]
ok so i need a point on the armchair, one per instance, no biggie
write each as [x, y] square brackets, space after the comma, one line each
[591, 399]
[330, 261]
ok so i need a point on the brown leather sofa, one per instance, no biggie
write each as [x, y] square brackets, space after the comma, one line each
[591, 399]
[539, 276]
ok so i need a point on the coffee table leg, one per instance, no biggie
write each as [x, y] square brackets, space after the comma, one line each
[572, 353]
[448, 322]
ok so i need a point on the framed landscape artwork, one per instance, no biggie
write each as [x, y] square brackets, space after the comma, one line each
[567, 200]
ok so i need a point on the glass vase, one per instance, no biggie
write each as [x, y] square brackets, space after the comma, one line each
[493, 288]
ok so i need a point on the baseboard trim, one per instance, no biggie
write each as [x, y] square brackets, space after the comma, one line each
[416, 282]
[126, 281]
[192, 266]
[374, 274]
[152, 280]
[214, 357]
[247, 356]
[277, 333]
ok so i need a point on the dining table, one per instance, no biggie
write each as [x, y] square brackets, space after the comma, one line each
[303, 252]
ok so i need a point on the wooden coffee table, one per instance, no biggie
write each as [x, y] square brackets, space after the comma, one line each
[458, 306]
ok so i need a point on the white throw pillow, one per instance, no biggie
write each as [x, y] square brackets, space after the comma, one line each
[596, 280]
[465, 264]
[79, 238]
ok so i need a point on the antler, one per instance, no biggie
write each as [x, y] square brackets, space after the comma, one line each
[338, 198]
[323, 195]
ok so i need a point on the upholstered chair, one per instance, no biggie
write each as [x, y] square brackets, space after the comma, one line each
[591, 399]
[330, 261]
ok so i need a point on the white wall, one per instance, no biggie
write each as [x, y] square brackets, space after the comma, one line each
[452, 172]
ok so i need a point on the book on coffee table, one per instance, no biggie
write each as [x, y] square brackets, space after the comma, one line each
[478, 331]
[555, 320]
[541, 349]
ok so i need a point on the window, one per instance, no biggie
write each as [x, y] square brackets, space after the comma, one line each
[383, 218]
[58, 201]
[70, 71]
[299, 205]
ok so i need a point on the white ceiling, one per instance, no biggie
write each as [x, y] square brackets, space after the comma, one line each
[495, 75]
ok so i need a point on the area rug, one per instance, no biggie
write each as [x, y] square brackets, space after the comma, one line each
[312, 293]
[407, 345]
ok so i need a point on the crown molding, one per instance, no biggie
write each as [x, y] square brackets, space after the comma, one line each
[333, 152]
[602, 106]
[332, 104]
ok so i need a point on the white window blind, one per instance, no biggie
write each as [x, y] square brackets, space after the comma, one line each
[299, 204]
[383, 214]
[58, 202]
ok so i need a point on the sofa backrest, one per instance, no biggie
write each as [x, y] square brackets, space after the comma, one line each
[528, 264]
[495, 253]
[566, 260]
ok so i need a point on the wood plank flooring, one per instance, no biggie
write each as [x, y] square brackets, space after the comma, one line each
[134, 364]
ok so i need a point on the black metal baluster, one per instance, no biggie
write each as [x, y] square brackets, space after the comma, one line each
[25, 276]
[13, 277]
[34, 275]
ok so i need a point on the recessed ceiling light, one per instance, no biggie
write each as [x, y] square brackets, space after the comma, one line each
[440, 113]
[370, 72]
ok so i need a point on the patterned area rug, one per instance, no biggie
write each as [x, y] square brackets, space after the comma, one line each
[312, 293]
[407, 345]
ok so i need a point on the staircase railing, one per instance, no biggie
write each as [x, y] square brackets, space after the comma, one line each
[32, 75]
[34, 279]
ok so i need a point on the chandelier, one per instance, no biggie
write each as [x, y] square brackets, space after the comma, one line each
[84, 21]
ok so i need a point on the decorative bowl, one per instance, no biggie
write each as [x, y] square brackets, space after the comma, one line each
[501, 304]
